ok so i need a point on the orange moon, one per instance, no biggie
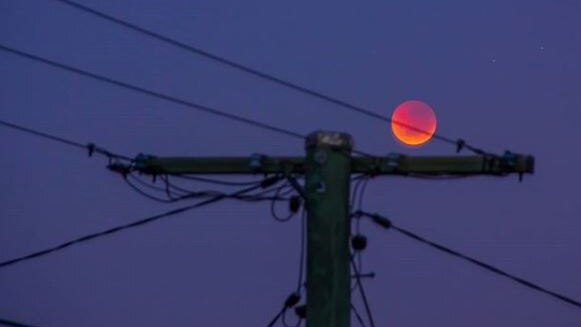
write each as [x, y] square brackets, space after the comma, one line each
[413, 123]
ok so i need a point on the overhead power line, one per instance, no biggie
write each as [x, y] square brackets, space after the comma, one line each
[386, 223]
[265, 183]
[362, 292]
[460, 143]
[152, 93]
[159, 95]
[90, 147]
[358, 316]
[12, 323]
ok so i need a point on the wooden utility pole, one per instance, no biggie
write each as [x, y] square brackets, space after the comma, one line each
[328, 167]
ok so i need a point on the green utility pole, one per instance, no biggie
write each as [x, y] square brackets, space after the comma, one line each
[328, 172]
[327, 168]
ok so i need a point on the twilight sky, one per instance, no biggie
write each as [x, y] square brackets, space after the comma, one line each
[500, 74]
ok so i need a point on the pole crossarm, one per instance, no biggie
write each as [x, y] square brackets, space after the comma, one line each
[255, 164]
[392, 164]
[327, 168]
[397, 164]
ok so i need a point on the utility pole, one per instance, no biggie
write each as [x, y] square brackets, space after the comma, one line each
[328, 167]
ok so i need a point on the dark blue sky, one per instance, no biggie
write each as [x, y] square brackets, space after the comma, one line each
[501, 74]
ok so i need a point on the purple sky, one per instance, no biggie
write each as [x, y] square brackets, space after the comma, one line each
[500, 74]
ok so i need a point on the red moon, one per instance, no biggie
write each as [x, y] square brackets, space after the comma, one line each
[413, 123]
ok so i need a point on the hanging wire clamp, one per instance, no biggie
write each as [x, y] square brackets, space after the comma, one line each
[460, 143]
[91, 147]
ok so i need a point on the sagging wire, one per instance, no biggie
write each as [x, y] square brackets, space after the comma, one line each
[386, 224]
[294, 298]
[358, 241]
[173, 193]
[358, 316]
[362, 292]
[294, 204]
[300, 311]
[266, 183]
[214, 181]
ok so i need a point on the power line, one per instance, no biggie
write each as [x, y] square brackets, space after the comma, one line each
[460, 143]
[171, 196]
[358, 316]
[277, 317]
[90, 147]
[214, 180]
[12, 323]
[290, 302]
[302, 250]
[152, 93]
[156, 94]
[362, 292]
[386, 223]
[295, 297]
[266, 183]
[285, 323]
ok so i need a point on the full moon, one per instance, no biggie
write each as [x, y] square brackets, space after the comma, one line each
[413, 123]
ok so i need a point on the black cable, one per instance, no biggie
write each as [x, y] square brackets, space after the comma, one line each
[186, 103]
[357, 202]
[269, 195]
[295, 297]
[355, 191]
[189, 194]
[362, 292]
[302, 253]
[362, 193]
[385, 223]
[359, 181]
[277, 317]
[215, 181]
[131, 225]
[273, 206]
[296, 87]
[185, 193]
[145, 194]
[92, 148]
[152, 93]
[285, 322]
[354, 194]
[170, 198]
[148, 185]
[12, 323]
[358, 221]
[358, 316]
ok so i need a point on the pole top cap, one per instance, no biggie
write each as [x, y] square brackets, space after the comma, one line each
[330, 139]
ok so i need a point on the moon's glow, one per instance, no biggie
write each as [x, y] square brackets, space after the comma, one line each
[417, 115]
